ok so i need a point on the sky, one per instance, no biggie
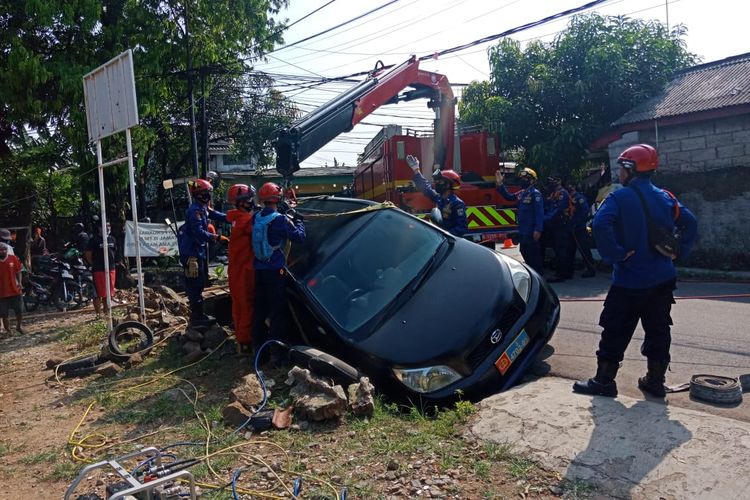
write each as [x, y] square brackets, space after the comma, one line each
[715, 30]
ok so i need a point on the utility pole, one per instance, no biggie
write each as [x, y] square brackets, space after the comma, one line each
[204, 125]
[666, 6]
[191, 100]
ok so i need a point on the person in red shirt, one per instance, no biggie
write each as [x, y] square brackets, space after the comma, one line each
[10, 289]
[241, 270]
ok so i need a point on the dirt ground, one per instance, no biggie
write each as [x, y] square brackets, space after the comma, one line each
[397, 453]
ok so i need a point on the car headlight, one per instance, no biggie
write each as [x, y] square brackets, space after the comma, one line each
[519, 274]
[428, 379]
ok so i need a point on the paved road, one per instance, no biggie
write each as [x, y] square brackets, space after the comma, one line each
[709, 336]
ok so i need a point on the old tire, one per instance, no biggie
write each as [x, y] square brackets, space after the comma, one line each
[128, 338]
[716, 389]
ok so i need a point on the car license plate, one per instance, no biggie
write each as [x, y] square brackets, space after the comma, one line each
[512, 352]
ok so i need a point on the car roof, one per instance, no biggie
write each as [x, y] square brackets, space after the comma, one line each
[333, 204]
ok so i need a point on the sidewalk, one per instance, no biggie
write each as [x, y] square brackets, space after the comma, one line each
[628, 448]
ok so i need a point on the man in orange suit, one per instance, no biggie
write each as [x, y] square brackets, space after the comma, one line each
[241, 271]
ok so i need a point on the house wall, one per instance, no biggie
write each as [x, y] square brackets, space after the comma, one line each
[707, 166]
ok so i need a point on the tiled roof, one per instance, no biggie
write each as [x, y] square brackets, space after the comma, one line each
[709, 86]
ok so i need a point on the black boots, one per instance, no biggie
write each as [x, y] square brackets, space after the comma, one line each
[603, 384]
[653, 382]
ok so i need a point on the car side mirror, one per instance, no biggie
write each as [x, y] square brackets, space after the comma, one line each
[436, 217]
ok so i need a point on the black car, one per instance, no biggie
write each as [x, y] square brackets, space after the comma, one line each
[424, 314]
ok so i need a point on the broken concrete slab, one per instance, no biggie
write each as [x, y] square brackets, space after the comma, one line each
[315, 398]
[108, 369]
[235, 414]
[248, 392]
[630, 448]
[361, 399]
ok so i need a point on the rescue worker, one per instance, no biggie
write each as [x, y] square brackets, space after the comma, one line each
[557, 219]
[452, 208]
[6, 241]
[530, 216]
[271, 232]
[580, 232]
[192, 239]
[241, 270]
[643, 279]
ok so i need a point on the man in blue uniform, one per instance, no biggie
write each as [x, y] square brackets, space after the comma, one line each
[644, 275]
[271, 232]
[580, 233]
[451, 207]
[530, 216]
[557, 219]
[193, 238]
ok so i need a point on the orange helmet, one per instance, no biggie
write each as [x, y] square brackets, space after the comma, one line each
[197, 186]
[640, 158]
[270, 192]
[449, 177]
[240, 192]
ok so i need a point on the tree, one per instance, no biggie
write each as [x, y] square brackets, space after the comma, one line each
[46, 46]
[551, 100]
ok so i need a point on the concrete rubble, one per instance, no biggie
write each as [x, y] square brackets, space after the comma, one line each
[315, 398]
[630, 448]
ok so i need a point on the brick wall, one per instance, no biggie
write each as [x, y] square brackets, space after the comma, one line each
[707, 165]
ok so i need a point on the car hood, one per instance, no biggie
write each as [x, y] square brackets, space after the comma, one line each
[456, 306]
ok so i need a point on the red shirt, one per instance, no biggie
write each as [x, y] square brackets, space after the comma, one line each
[9, 269]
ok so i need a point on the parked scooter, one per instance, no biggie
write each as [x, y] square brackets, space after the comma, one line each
[53, 284]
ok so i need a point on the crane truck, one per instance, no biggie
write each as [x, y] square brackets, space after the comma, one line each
[382, 173]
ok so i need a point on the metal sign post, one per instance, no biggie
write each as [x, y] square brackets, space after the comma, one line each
[111, 107]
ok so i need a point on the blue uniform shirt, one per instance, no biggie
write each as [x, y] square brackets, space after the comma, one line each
[452, 208]
[557, 206]
[194, 242]
[581, 210]
[620, 226]
[280, 230]
[530, 208]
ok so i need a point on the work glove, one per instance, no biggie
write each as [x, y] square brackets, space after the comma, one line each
[413, 163]
[294, 216]
[191, 271]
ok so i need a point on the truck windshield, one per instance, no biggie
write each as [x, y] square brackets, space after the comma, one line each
[372, 266]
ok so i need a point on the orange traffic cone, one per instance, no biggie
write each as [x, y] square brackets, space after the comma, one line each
[508, 243]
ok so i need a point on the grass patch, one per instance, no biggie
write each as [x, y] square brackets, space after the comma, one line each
[4, 448]
[45, 456]
[64, 470]
[577, 488]
[84, 335]
[519, 467]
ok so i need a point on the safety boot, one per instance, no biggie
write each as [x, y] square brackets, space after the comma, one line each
[653, 382]
[603, 383]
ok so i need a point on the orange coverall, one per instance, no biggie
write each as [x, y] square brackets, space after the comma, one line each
[241, 273]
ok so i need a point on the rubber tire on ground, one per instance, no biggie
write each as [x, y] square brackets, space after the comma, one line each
[75, 367]
[716, 389]
[119, 354]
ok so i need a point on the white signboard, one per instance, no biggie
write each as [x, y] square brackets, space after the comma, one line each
[109, 95]
[157, 240]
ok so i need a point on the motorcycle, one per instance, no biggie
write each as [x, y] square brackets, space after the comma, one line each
[54, 284]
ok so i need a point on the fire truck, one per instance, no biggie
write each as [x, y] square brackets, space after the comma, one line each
[382, 173]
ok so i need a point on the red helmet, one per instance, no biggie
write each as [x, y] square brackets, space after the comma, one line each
[197, 186]
[640, 158]
[270, 192]
[240, 192]
[449, 176]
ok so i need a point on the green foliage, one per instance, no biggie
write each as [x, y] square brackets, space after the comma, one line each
[48, 45]
[549, 101]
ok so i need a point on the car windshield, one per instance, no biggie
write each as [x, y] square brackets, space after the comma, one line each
[384, 253]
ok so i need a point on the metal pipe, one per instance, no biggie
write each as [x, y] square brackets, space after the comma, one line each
[105, 238]
[136, 232]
